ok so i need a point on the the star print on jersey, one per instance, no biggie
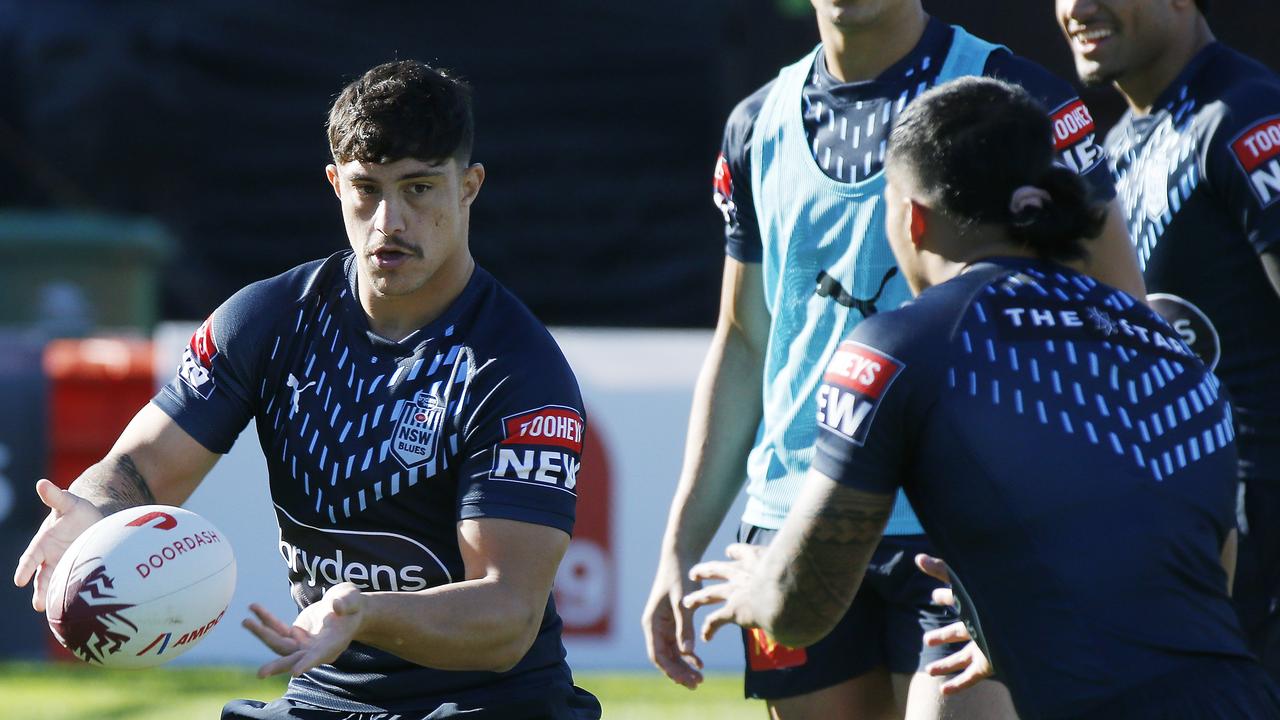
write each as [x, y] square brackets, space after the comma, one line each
[377, 449]
[1031, 414]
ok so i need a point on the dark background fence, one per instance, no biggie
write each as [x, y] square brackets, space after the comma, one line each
[598, 121]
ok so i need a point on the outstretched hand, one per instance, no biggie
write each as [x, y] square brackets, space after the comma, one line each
[69, 516]
[734, 592]
[969, 665]
[320, 633]
[668, 625]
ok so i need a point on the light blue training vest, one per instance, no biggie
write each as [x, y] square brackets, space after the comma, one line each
[810, 223]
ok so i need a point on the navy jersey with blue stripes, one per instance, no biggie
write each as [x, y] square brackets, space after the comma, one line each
[848, 126]
[1199, 177]
[377, 449]
[1031, 413]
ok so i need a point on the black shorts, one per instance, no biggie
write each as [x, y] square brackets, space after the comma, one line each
[883, 627]
[577, 705]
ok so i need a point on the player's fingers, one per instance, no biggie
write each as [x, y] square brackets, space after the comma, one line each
[665, 651]
[40, 588]
[743, 551]
[280, 645]
[971, 676]
[933, 567]
[673, 665]
[710, 595]
[683, 625]
[279, 665]
[713, 570]
[313, 658]
[271, 621]
[34, 555]
[657, 624]
[944, 597]
[953, 663]
[348, 604]
[955, 632]
[714, 622]
[685, 636]
[55, 498]
[28, 561]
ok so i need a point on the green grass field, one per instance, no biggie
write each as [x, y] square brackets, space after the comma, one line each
[33, 691]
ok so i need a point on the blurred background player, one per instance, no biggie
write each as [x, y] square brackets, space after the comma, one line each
[1030, 412]
[422, 433]
[799, 181]
[1196, 160]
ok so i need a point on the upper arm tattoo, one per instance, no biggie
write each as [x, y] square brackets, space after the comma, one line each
[816, 562]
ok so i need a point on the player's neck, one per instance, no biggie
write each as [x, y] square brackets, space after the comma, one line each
[1142, 87]
[395, 317]
[955, 254]
[855, 54]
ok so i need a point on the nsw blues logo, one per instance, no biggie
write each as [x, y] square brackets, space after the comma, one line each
[417, 432]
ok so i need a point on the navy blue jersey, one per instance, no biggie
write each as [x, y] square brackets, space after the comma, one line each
[848, 127]
[1200, 178]
[377, 449]
[1031, 414]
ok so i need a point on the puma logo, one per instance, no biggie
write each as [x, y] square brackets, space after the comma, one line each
[292, 383]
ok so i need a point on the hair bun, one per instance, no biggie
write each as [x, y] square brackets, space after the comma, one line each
[1055, 227]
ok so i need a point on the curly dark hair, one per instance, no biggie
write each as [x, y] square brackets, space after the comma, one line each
[402, 109]
[970, 143]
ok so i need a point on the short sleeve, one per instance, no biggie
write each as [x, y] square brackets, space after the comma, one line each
[863, 417]
[1075, 136]
[1243, 164]
[731, 182]
[523, 448]
[210, 395]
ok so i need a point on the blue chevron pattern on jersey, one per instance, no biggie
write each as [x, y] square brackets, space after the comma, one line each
[1110, 393]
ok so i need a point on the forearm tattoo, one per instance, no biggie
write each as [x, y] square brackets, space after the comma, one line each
[114, 484]
[819, 559]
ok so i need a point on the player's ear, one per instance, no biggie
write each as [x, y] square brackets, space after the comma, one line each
[331, 172]
[472, 179]
[917, 221]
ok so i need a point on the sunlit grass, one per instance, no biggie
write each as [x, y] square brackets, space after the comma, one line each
[36, 691]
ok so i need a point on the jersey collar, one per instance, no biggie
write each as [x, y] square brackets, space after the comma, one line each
[442, 326]
[934, 43]
[1173, 94]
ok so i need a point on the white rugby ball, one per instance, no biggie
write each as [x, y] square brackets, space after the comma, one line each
[141, 587]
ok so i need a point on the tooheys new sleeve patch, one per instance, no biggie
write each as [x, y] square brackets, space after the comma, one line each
[1075, 137]
[541, 446]
[196, 369]
[723, 195]
[1256, 151]
[853, 385]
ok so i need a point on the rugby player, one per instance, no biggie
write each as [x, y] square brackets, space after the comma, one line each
[799, 181]
[1196, 160]
[422, 433]
[1031, 413]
